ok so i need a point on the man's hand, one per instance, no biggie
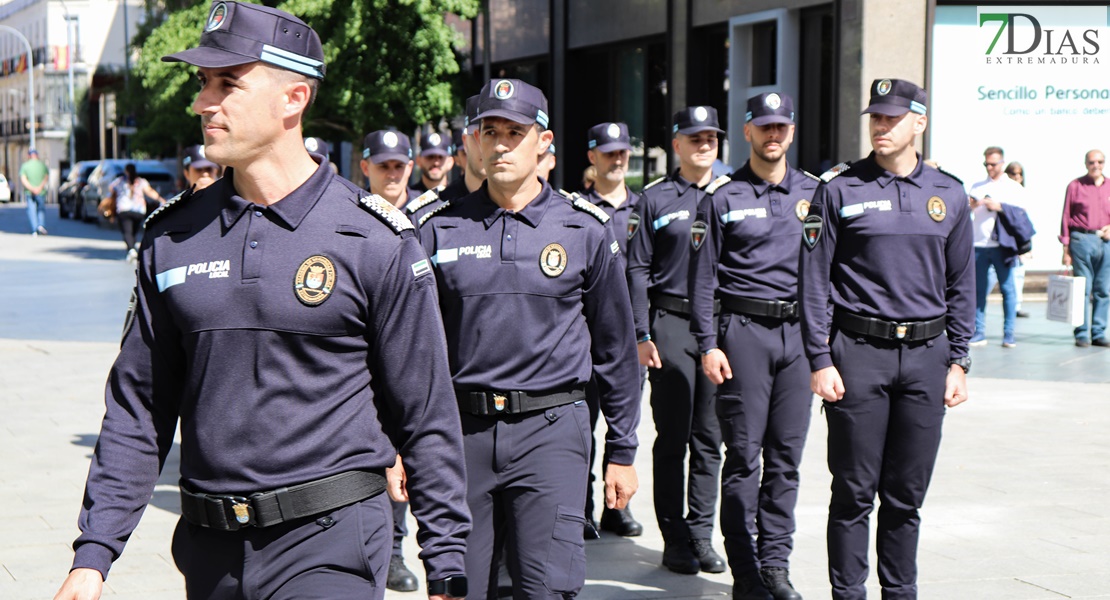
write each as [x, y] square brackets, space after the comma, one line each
[620, 484]
[715, 365]
[1066, 259]
[955, 386]
[396, 481]
[992, 204]
[827, 384]
[1104, 233]
[649, 355]
[82, 584]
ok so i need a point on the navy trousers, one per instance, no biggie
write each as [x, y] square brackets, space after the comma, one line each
[526, 486]
[764, 412]
[340, 555]
[883, 439]
[682, 403]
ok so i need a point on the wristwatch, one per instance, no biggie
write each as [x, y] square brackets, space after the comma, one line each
[963, 362]
[452, 587]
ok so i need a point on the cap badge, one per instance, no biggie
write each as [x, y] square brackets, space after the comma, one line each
[553, 260]
[311, 145]
[633, 224]
[216, 17]
[772, 101]
[700, 114]
[433, 139]
[390, 139]
[504, 89]
[315, 280]
[937, 209]
[801, 209]
[884, 87]
[613, 130]
[697, 234]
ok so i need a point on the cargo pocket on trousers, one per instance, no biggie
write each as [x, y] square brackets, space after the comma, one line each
[566, 557]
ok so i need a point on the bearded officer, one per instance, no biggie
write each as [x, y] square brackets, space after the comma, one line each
[469, 156]
[435, 162]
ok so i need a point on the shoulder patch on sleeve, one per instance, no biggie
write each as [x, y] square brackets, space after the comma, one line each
[810, 175]
[589, 207]
[389, 214]
[717, 183]
[832, 173]
[958, 180]
[433, 212]
[161, 210]
[657, 181]
[421, 201]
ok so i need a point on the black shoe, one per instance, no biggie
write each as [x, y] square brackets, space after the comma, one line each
[621, 522]
[708, 560]
[679, 558]
[750, 587]
[1021, 314]
[400, 578]
[1082, 342]
[589, 530]
[777, 581]
[1102, 342]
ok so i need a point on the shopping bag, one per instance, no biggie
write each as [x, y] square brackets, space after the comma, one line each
[1067, 299]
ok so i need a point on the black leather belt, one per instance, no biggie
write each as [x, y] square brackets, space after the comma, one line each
[676, 304]
[913, 331]
[776, 309]
[490, 402]
[229, 512]
[1078, 230]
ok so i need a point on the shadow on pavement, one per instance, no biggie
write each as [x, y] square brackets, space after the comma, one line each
[13, 219]
[91, 252]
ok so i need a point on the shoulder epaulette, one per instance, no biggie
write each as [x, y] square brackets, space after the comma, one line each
[810, 175]
[569, 195]
[941, 169]
[829, 175]
[432, 212]
[586, 206]
[389, 214]
[717, 183]
[657, 181]
[421, 201]
[161, 210]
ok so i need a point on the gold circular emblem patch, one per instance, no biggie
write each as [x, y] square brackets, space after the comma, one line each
[937, 209]
[315, 280]
[801, 209]
[553, 260]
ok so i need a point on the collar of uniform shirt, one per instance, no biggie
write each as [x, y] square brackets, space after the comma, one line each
[681, 183]
[884, 177]
[758, 184]
[291, 209]
[594, 197]
[532, 213]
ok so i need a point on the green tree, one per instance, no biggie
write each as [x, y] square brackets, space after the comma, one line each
[389, 62]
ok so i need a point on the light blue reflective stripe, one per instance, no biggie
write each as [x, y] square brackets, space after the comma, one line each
[292, 65]
[733, 215]
[168, 279]
[851, 210]
[917, 107]
[366, 153]
[541, 118]
[748, 116]
[592, 144]
[312, 62]
[662, 222]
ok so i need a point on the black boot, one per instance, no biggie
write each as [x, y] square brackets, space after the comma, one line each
[708, 560]
[749, 586]
[678, 557]
[621, 522]
[777, 581]
[589, 530]
[400, 578]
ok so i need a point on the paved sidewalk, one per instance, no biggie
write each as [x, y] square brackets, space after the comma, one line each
[1017, 509]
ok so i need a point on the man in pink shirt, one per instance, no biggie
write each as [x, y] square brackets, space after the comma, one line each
[1085, 234]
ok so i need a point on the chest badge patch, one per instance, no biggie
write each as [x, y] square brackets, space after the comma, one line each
[553, 260]
[633, 224]
[801, 209]
[811, 231]
[315, 280]
[697, 234]
[937, 209]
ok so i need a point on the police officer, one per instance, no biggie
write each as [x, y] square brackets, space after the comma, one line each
[888, 247]
[197, 169]
[681, 395]
[276, 315]
[608, 146]
[387, 164]
[534, 303]
[470, 158]
[546, 163]
[749, 262]
[435, 162]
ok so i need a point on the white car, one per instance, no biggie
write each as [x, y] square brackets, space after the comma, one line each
[5, 190]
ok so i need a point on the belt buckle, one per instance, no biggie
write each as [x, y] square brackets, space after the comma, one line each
[238, 511]
[788, 309]
[900, 330]
[500, 399]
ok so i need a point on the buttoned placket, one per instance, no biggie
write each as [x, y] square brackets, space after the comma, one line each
[253, 243]
[509, 227]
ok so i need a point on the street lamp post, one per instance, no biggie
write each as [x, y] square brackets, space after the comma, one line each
[30, 78]
[71, 20]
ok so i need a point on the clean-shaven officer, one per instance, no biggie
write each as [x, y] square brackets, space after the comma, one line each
[535, 303]
[887, 287]
[276, 317]
[387, 164]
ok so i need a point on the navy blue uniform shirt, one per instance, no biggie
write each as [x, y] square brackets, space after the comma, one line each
[889, 247]
[275, 385]
[536, 301]
[751, 244]
[618, 215]
[659, 250]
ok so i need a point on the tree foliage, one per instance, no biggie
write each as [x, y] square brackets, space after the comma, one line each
[389, 63]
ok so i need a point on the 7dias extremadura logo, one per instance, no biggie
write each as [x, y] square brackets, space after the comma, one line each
[1044, 35]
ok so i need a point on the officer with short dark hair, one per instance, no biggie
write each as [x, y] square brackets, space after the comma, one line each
[277, 315]
[681, 395]
[887, 293]
[535, 303]
[387, 164]
[435, 162]
[470, 158]
[749, 263]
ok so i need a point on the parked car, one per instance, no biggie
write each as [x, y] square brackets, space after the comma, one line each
[108, 170]
[5, 190]
[69, 194]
